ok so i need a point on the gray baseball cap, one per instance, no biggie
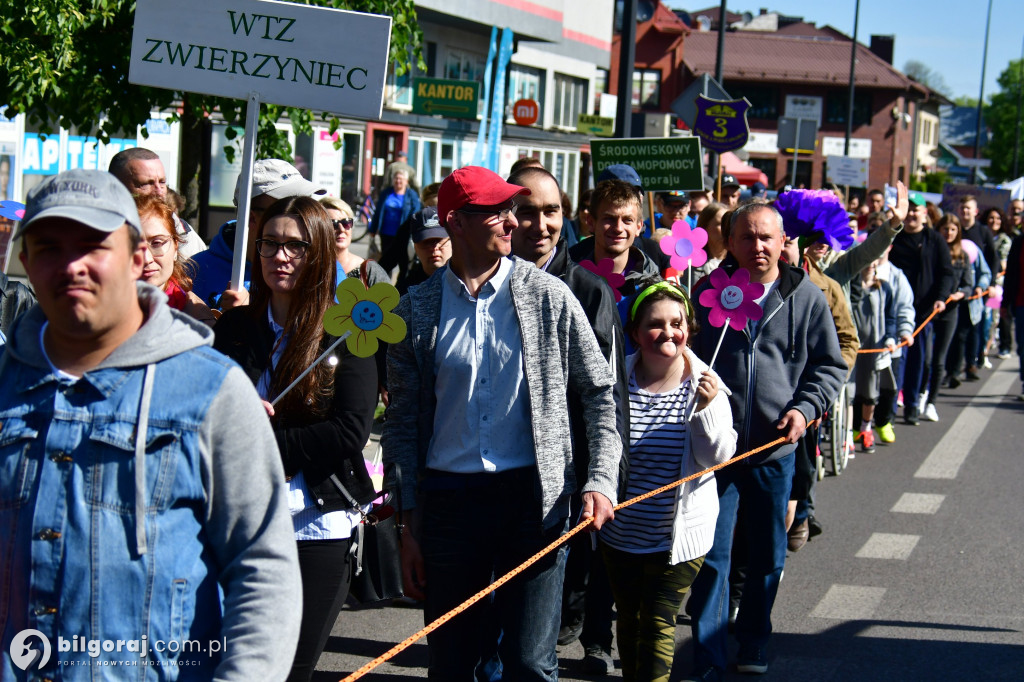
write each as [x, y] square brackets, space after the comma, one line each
[94, 198]
[279, 179]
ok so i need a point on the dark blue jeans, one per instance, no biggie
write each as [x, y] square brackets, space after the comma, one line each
[477, 527]
[764, 490]
[1018, 330]
[916, 358]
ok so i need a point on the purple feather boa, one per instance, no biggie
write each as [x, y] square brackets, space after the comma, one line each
[805, 211]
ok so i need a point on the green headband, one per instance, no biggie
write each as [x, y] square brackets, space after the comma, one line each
[663, 285]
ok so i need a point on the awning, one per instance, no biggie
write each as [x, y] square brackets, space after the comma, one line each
[745, 174]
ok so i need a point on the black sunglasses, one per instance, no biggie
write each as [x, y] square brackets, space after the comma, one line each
[346, 223]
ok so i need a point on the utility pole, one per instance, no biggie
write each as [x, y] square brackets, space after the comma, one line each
[719, 61]
[981, 98]
[853, 71]
[1020, 111]
[627, 56]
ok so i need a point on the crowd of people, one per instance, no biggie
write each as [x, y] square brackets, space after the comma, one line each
[171, 471]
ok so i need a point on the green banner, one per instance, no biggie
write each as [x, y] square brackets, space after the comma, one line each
[449, 98]
[663, 163]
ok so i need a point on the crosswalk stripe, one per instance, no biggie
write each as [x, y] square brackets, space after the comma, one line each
[888, 546]
[849, 602]
[918, 503]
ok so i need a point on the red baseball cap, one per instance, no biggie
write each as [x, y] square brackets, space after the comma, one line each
[473, 185]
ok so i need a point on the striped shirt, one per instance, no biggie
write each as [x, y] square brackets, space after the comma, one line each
[657, 438]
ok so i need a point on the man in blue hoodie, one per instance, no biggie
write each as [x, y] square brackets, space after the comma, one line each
[272, 179]
[784, 371]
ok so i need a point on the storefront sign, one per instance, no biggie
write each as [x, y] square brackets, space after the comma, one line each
[525, 112]
[290, 54]
[448, 98]
[847, 171]
[664, 164]
[595, 125]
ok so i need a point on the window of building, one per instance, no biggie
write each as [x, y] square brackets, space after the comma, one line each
[764, 100]
[464, 65]
[570, 99]
[837, 103]
[646, 88]
[525, 82]
[600, 88]
[803, 174]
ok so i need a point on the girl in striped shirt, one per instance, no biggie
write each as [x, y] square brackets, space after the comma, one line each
[654, 548]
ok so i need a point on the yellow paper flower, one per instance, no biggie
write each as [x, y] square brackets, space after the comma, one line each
[366, 315]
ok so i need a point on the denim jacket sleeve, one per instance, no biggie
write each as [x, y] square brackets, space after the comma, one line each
[250, 533]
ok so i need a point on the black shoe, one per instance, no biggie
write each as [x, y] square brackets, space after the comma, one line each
[972, 374]
[567, 634]
[814, 528]
[597, 660]
[954, 382]
[752, 661]
[911, 415]
[708, 674]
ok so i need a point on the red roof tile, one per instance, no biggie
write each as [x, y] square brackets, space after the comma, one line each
[771, 57]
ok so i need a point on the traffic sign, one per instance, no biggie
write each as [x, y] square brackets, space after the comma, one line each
[664, 164]
[798, 134]
[847, 171]
[450, 98]
[722, 124]
[685, 105]
[525, 112]
[600, 126]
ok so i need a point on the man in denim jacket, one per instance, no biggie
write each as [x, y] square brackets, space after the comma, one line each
[144, 530]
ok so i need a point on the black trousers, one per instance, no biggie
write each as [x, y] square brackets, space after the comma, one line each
[326, 570]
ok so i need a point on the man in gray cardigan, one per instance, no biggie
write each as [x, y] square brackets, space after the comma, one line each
[479, 424]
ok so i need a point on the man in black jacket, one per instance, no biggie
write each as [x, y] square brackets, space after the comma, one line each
[15, 298]
[923, 256]
[586, 601]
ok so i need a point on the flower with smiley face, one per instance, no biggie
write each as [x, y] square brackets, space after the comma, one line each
[732, 299]
[365, 314]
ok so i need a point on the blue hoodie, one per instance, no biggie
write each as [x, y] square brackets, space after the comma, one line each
[213, 266]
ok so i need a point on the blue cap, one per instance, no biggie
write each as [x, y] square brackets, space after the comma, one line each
[621, 171]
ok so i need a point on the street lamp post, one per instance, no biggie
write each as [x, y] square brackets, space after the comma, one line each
[853, 71]
[981, 98]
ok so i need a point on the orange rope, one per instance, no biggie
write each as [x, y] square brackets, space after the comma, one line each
[409, 641]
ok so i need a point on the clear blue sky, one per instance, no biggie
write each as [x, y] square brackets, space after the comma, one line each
[947, 36]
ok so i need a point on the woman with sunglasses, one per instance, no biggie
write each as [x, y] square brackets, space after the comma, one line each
[322, 424]
[654, 548]
[342, 219]
[166, 268]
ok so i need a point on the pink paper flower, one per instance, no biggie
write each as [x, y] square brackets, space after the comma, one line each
[996, 299]
[604, 269]
[12, 210]
[732, 298]
[685, 245]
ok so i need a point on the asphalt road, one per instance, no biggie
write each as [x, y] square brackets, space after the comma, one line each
[918, 575]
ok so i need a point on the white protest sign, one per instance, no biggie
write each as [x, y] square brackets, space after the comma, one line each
[847, 170]
[261, 51]
[295, 55]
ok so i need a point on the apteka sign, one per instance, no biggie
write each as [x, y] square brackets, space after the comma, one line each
[295, 55]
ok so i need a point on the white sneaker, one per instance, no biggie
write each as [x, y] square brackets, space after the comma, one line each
[1004, 355]
[986, 364]
[930, 415]
[923, 398]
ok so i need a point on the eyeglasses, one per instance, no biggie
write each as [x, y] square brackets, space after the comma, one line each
[343, 223]
[502, 214]
[158, 246]
[268, 248]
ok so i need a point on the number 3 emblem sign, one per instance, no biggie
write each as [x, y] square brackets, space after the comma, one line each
[722, 125]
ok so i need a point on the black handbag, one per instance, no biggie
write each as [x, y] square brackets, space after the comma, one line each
[377, 570]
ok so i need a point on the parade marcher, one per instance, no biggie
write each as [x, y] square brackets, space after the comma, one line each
[984, 238]
[923, 256]
[432, 245]
[586, 595]
[730, 192]
[149, 475]
[710, 219]
[953, 324]
[654, 549]
[320, 426]
[15, 298]
[142, 172]
[165, 266]
[1005, 230]
[397, 202]
[616, 223]
[1013, 297]
[796, 326]
[479, 424]
[400, 164]
[672, 206]
[643, 241]
[343, 221]
[272, 179]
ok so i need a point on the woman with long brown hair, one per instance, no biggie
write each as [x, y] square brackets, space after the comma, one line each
[322, 424]
[952, 325]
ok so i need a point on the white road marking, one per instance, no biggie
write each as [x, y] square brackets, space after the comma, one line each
[918, 503]
[849, 602]
[888, 546]
[949, 454]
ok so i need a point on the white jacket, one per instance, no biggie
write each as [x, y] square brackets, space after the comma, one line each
[712, 440]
